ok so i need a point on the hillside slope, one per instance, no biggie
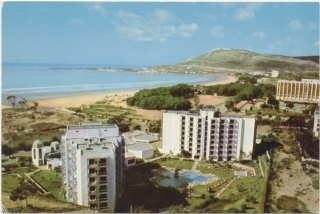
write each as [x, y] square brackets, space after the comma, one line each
[233, 60]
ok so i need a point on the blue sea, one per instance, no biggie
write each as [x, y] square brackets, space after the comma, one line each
[38, 81]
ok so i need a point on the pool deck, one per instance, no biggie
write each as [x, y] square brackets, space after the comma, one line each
[195, 165]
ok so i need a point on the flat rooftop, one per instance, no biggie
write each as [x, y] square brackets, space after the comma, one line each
[208, 108]
[145, 137]
[140, 147]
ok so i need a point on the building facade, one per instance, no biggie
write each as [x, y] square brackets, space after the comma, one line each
[306, 90]
[316, 123]
[93, 159]
[46, 155]
[209, 135]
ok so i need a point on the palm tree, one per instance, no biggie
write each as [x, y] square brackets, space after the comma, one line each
[12, 100]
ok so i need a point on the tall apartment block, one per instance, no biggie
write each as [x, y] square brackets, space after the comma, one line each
[92, 157]
[306, 90]
[208, 134]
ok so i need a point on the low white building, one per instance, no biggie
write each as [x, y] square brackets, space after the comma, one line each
[43, 155]
[130, 159]
[141, 150]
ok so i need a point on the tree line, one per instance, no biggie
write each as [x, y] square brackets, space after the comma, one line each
[163, 98]
[241, 91]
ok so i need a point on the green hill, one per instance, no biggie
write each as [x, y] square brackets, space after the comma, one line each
[233, 60]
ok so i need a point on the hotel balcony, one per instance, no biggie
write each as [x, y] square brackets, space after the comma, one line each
[103, 172]
[103, 164]
[93, 174]
[104, 199]
[93, 201]
[103, 190]
[103, 182]
[103, 209]
[92, 165]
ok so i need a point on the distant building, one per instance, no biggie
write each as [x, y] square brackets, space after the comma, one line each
[305, 91]
[274, 73]
[209, 135]
[263, 80]
[46, 155]
[93, 159]
[255, 73]
[316, 123]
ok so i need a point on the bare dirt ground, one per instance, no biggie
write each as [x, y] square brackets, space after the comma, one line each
[291, 180]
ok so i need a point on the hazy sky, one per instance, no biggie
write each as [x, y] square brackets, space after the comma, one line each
[118, 33]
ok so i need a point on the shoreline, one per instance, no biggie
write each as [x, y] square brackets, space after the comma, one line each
[66, 101]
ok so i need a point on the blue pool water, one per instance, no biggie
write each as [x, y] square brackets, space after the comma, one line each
[184, 178]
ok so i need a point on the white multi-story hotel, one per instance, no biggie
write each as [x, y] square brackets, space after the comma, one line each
[306, 90]
[208, 134]
[92, 157]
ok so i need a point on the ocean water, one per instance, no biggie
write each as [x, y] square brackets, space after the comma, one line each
[37, 81]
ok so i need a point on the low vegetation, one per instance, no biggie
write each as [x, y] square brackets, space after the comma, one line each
[165, 98]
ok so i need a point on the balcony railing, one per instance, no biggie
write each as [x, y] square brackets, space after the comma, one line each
[92, 174]
[103, 190]
[103, 164]
[103, 199]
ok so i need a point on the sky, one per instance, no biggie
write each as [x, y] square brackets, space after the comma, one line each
[154, 33]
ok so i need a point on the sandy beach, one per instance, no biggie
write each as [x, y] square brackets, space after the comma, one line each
[113, 98]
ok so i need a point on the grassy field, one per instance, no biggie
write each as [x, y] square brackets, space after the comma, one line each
[9, 182]
[51, 181]
[176, 163]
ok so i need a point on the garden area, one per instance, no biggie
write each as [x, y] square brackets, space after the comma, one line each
[229, 194]
[50, 181]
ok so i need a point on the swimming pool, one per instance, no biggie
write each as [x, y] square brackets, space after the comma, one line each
[184, 178]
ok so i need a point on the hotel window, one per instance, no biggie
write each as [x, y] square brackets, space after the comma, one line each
[92, 180]
[103, 188]
[103, 161]
[103, 196]
[103, 204]
[104, 179]
[92, 188]
[91, 161]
